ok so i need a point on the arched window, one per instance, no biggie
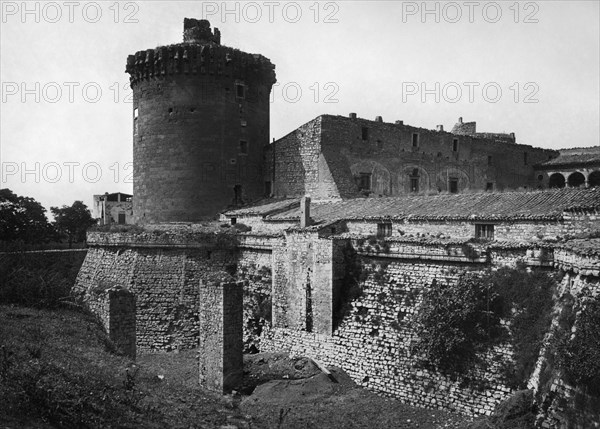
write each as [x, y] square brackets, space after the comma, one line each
[414, 180]
[557, 180]
[576, 179]
[594, 179]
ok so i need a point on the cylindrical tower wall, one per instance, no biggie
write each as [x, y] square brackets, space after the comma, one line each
[200, 124]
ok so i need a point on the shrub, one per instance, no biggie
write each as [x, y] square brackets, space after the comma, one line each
[457, 321]
[38, 279]
[579, 355]
[527, 301]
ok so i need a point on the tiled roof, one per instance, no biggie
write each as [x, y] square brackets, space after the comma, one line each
[539, 205]
[585, 247]
[265, 207]
[588, 155]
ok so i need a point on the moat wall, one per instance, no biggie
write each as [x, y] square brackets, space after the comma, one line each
[164, 275]
[301, 277]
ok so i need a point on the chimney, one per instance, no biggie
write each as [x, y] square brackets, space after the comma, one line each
[460, 120]
[378, 119]
[439, 127]
[399, 122]
[305, 212]
[352, 115]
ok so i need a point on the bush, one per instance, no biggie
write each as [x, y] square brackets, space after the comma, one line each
[527, 301]
[579, 356]
[458, 321]
[38, 279]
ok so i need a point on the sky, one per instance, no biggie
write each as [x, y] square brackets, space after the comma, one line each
[528, 67]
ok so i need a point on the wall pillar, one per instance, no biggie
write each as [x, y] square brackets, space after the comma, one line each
[221, 362]
[121, 320]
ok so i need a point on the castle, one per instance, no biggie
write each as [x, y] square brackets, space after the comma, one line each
[272, 274]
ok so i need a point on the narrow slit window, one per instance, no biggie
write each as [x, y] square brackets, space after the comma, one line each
[489, 160]
[525, 156]
[454, 145]
[135, 120]
[415, 140]
[243, 147]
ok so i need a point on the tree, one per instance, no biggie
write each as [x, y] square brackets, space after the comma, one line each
[22, 218]
[73, 221]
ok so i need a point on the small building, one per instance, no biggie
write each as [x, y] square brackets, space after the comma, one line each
[113, 208]
[571, 169]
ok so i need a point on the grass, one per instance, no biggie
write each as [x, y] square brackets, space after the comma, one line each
[58, 369]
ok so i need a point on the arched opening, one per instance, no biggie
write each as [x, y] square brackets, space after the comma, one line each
[237, 195]
[576, 179]
[414, 180]
[557, 180]
[594, 179]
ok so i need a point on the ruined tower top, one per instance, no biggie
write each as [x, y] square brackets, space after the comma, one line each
[198, 31]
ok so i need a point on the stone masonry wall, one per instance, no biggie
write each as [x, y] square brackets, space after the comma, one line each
[122, 313]
[503, 230]
[220, 313]
[165, 284]
[391, 154]
[303, 283]
[373, 341]
[164, 281]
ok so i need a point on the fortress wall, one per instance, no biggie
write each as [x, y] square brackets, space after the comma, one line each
[303, 290]
[165, 283]
[388, 153]
[373, 341]
[503, 230]
[296, 166]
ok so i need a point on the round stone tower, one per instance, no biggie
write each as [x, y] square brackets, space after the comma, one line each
[200, 125]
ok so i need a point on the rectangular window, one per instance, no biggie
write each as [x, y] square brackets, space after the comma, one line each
[268, 189]
[122, 218]
[453, 186]
[240, 90]
[365, 133]
[365, 182]
[525, 158]
[489, 160]
[415, 140]
[485, 231]
[243, 146]
[414, 184]
[454, 145]
[233, 220]
[384, 229]
[489, 186]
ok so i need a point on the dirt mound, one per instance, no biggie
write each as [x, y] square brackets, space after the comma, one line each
[295, 393]
[264, 367]
[318, 386]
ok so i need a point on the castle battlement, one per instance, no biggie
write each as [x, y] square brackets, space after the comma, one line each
[200, 53]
